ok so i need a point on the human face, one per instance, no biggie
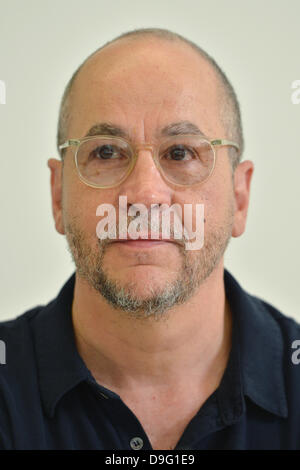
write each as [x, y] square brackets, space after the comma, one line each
[142, 87]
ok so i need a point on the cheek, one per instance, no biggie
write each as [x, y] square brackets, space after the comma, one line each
[217, 201]
[80, 204]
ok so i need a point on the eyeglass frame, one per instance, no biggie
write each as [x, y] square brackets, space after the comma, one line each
[77, 142]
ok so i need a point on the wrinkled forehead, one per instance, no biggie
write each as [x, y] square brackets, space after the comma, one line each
[151, 80]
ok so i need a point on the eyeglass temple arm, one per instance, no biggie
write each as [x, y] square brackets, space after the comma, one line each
[68, 143]
[225, 142]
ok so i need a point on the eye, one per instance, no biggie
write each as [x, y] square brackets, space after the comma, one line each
[179, 153]
[105, 152]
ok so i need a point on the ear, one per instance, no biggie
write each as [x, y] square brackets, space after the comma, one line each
[56, 167]
[242, 181]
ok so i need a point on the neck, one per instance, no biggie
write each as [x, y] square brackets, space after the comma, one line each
[192, 341]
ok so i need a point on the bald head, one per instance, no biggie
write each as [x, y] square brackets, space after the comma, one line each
[227, 103]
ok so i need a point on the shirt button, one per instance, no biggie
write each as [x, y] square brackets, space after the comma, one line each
[136, 443]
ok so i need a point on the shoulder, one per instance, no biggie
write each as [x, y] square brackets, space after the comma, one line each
[18, 372]
[269, 346]
[17, 349]
[283, 337]
[258, 314]
[16, 337]
[17, 328]
[288, 325]
[278, 325]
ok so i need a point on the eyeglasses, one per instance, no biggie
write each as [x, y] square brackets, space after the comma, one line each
[106, 161]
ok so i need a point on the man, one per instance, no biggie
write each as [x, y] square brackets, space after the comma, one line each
[150, 345]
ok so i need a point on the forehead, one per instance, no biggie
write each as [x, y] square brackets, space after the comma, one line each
[154, 81]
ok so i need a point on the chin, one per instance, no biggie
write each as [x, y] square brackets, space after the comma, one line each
[143, 284]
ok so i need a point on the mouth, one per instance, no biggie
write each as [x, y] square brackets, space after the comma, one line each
[141, 244]
[144, 242]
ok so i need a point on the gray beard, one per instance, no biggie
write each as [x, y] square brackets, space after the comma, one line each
[194, 270]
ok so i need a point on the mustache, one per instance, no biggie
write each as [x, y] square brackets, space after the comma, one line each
[147, 231]
[168, 223]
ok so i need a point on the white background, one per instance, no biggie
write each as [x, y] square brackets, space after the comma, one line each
[41, 44]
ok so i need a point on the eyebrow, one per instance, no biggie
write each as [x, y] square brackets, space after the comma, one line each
[105, 128]
[175, 128]
[182, 127]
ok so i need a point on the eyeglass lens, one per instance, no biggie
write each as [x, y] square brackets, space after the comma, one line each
[183, 160]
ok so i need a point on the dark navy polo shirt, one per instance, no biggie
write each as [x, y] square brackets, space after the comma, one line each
[50, 400]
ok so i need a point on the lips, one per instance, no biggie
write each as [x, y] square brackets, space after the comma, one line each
[144, 239]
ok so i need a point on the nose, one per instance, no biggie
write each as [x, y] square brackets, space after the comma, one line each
[145, 184]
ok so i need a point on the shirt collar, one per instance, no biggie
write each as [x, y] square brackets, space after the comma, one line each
[60, 367]
[254, 367]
